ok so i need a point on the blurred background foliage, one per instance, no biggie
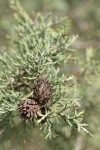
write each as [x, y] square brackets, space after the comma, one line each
[83, 14]
[85, 20]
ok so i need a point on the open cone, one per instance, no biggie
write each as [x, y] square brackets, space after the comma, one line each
[29, 109]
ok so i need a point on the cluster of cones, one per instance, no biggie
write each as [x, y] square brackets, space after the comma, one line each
[34, 106]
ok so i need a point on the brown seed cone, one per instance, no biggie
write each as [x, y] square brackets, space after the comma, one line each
[29, 109]
[42, 90]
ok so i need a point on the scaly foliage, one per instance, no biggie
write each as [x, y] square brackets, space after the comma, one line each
[40, 48]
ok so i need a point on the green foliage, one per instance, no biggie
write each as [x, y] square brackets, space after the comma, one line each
[83, 64]
[41, 47]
